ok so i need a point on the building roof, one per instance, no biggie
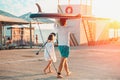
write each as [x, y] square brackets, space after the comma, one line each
[9, 19]
[12, 20]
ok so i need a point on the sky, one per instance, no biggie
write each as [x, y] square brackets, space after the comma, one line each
[102, 8]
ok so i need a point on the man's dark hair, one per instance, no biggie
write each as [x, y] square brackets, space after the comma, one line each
[62, 22]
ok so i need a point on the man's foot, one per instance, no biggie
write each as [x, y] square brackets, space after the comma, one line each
[68, 73]
[59, 76]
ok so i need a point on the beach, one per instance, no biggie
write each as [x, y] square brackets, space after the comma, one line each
[85, 62]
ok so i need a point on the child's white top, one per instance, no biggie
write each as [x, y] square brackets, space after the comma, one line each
[49, 52]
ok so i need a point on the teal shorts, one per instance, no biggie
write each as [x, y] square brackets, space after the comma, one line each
[64, 50]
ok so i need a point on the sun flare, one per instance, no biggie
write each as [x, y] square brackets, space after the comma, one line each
[107, 8]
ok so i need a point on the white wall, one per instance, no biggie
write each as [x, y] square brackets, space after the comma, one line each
[77, 27]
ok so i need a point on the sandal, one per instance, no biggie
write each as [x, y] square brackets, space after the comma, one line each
[59, 75]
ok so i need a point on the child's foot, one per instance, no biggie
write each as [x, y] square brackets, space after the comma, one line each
[50, 71]
[45, 72]
[68, 73]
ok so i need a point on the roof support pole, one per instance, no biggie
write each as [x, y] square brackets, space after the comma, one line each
[30, 35]
[1, 33]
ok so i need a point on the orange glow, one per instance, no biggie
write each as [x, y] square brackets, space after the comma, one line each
[107, 8]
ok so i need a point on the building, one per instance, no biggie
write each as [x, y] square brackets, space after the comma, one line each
[89, 29]
[7, 19]
[20, 35]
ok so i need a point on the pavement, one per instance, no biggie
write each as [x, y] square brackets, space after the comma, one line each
[85, 63]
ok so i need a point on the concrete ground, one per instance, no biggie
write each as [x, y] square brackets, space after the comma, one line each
[85, 63]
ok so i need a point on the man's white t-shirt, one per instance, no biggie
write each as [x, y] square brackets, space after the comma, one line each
[63, 35]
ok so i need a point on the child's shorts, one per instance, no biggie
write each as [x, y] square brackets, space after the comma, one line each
[64, 50]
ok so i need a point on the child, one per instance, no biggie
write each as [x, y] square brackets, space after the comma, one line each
[45, 43]
[49, 53]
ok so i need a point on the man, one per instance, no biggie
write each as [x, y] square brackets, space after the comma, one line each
[63, 45]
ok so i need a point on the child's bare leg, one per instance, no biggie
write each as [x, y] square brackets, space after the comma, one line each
[50, 71]
[49, 64]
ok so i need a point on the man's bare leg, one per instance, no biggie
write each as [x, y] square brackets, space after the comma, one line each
[66, 67]
[61, 67]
